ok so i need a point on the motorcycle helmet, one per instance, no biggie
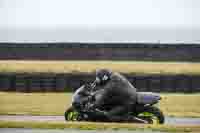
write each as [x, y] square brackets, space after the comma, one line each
[103, 76]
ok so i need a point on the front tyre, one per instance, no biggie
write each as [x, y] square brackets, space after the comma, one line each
[152, 114]
[71, 114]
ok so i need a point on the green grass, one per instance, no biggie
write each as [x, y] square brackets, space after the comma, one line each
[135, 67]
[187, 105]
[98, 126]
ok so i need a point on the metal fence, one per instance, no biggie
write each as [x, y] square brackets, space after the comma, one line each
[70, 82]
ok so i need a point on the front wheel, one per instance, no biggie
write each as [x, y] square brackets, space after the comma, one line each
[152, 114]
[71, 114]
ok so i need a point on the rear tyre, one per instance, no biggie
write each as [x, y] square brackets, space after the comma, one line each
[152, 114]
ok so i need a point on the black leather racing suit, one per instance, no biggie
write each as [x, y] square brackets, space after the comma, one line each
[80, 97]
[118, 93]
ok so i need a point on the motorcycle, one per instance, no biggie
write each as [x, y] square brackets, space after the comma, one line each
[144, 109]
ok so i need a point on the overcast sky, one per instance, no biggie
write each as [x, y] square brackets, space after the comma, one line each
[100, 20]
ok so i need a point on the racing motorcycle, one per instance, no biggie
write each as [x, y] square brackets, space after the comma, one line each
[144, 109]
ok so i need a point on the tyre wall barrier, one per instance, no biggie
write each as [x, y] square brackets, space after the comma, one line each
[70, 82]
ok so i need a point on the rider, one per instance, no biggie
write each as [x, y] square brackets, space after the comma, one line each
[115, 90]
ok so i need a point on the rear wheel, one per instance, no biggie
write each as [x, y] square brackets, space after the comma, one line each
[71, 114]
[152, 114]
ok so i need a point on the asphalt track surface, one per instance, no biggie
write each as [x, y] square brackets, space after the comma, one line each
[21, 130]
[168, 120]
